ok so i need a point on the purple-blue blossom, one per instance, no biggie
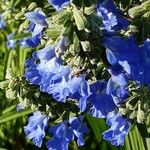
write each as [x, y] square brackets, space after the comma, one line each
[36, 127]
[37, 24]
[62, 135]
[118, 130]
[65, 132]
[111, 17]
[46, 69]
[79, 129]
[99, 102]
[117, 85]
[59, 4]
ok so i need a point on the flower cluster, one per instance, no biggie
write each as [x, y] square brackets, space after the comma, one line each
[101, 98]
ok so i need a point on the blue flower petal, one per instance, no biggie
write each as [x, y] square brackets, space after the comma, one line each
[37, 18]
[35, 129]
[118, 130]
[59, 4]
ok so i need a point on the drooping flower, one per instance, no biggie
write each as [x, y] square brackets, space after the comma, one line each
[118, 130]
[62, 135]
[65, 132]
[35, 129]
[117, 85]
[79, 129]
[100, 103]
[46, 69]
[133, 59]
[37, 23]
[59, 4]
[121, 49]
[80, 90]
[111, 17]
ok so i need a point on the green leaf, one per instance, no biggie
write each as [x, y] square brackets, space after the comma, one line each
[4, 84]
[14, 115]
[85, 45]
[97, 125]
[80, 19]
[136, 11]
[21, 36]
[62, 17]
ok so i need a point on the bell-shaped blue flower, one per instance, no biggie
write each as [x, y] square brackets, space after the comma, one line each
[111, 17]
[37, 23]
[79, 129]
[57, 84]
[59, 4]
[122, 49]
[100, 103]
[80, 89]
[62, 135]
[117, 85]
[118, 130]
[35, 129]
[65, 132]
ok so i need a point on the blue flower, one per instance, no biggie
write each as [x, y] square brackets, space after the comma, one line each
[38, 23]
[79, 129]
[33, 41]
[80, 89]
[2, 22]
[62, 135]
[100, 103]
[59, 4]
[10, 42]
[133, 59]
[111, 17]
[117, 85]
[118, 130]
[121, 49]
[35, 129]
[42, 61]
[57, 84]
[141, 69]
[65, 132]
[37, 18]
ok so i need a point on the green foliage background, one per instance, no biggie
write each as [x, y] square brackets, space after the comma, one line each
[12, 136]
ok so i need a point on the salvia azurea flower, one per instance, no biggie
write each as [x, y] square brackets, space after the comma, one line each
[117, 85]
[111, 17]
[38, 22]
[46, 69]
[59, 4]
[79, 129]
[35, 129]
[65, 132]
[133, 59]
[2, 22]
[99, 103]
[118, 130]
[42, 62]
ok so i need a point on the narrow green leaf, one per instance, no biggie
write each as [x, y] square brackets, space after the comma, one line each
[80, 19]
[21, 36]
[14, 115]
